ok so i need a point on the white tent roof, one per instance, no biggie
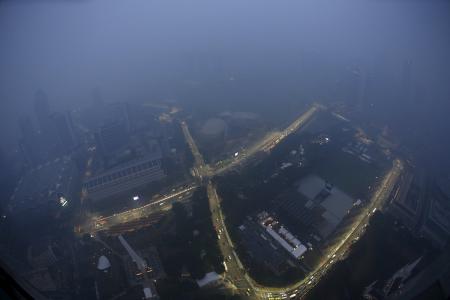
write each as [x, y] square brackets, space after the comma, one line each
[209, 278]
[148, 293]
[103, 263]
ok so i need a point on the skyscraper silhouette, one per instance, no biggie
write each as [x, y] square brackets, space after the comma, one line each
[406, 87]
[62, 134]
[42, 110]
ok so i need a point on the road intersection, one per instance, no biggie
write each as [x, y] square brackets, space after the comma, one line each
[235, 272]
[244, 284]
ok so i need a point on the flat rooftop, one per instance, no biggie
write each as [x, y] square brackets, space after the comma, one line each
[330, 200]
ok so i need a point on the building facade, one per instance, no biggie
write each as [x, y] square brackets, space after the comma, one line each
[126, 177]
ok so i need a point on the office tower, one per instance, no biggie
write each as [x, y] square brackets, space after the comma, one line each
[113, 134]
[111, 137]
[406, 85]
[118, 113]
[28, 144]
[42, 110]
[62, 134]
[361, 89]
[432, 282]
[26, 127]
[97, 98]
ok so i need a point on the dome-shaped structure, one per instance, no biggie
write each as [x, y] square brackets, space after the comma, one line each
[103, 263]
[214, 127]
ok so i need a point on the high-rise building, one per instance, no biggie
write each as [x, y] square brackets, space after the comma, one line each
[7, 179]
[28, 155]
[352, 88]
[26, 127]
[113, 134]
[433, 282]
[97, 98]
[62, 132]
[357, 88]
[361, 89]
[28, 145]
[45, 139]
[42, 110]
[118, 113]
[111, 137]
[406, 85]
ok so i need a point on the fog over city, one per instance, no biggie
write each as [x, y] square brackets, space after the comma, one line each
[140, 50]
[225, 149]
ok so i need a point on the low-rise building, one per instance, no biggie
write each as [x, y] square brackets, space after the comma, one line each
[126, 173]
[211, 278]
[262, 248]
[318, 205]
[123, 178]
[280, 234]
[153, 266]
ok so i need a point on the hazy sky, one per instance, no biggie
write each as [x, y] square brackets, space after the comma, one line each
[128, 48]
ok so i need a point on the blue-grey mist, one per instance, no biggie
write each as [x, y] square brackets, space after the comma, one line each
[279, 53]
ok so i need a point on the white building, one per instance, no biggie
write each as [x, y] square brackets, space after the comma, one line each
[280, 234]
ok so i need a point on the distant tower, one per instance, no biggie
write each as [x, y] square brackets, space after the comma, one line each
[406, 86]
[97, 98]
[432, 282]
[114, 131]
[118, 112]
[26, 127]
[111, 137]
[361, 87]
[62, 131]
[42, 110]
[27, 143]
[354, 87]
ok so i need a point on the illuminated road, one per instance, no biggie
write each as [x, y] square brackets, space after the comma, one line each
[201, 169]
[204, 171]
[141, 212]
[148, 214]
[336, 252]
[339, 251]
[268, 142]
[235, 272]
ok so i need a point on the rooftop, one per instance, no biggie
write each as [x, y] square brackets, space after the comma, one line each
[332, 203]
[209, 278]
[41, 185]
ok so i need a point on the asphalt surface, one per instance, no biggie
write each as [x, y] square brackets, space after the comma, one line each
[142, 212]
[235, 273]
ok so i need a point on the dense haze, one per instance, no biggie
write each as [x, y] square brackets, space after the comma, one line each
[160, 146]
[154, 50]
